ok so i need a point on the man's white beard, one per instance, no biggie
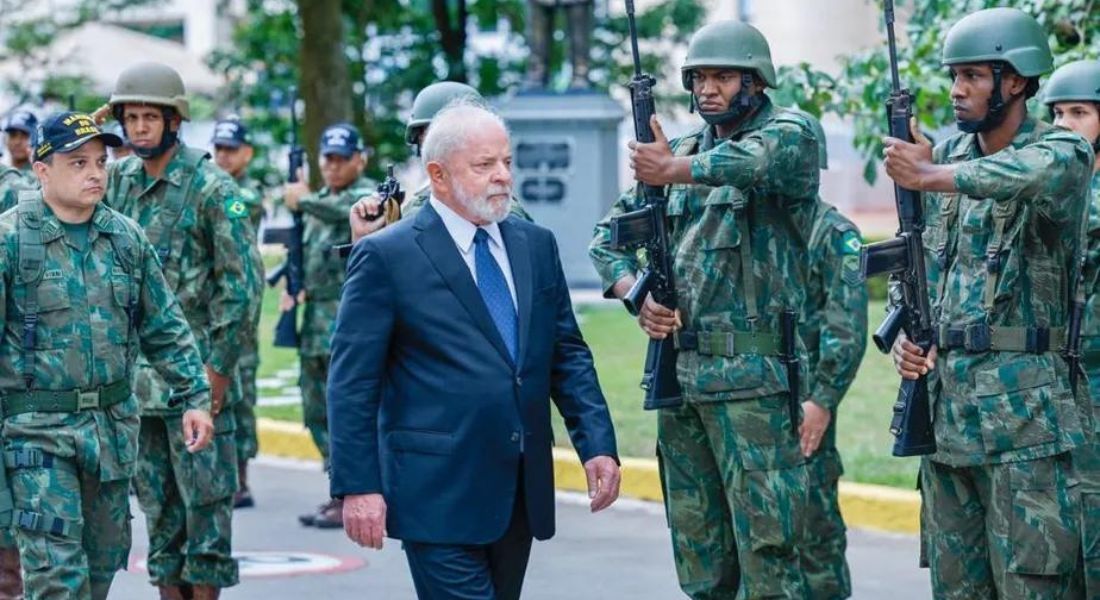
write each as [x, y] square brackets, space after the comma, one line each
[481, 207]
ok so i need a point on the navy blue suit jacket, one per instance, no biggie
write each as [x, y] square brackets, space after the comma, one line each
[425, 404]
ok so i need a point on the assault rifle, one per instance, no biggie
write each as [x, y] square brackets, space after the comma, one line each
[903, 258]
[647, 228]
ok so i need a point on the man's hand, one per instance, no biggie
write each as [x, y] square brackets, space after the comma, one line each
[652, 162]
[198, 429]
[909, 360]
[603, 482]
[219, 384]
[99, 115]
[815, 420]
[286, 302]
[293, 192]
[365, 519]
[365, 217]
[658, 321]
[910, 165]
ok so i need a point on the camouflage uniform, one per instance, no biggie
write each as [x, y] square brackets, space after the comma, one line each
[998, 514]
[195, 217]
[420, 198]
[734, 476]
[243, 397]
[1086, 459]
[11, 182]
[70, 465]
[325, 224]
[834, 329]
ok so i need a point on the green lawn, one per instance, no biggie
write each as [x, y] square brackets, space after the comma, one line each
[619, 349]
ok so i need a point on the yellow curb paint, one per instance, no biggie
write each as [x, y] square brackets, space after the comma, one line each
[864, 506]
[285, 439]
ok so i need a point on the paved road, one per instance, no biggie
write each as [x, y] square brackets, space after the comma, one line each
[622, 553]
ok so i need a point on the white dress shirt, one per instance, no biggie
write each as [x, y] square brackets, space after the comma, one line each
[463, 231]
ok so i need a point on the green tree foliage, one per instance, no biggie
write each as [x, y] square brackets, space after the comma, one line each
[26, 30]
[860, 90]
[394, 49]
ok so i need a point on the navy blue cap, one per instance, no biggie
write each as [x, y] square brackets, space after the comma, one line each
[342, 139]
[66, 131]
[21, 120]
[230, 133]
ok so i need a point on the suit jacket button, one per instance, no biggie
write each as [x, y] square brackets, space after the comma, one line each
[519, 382]
[515, 436]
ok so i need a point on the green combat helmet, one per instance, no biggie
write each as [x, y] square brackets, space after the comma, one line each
[1077, 81]
[157, 85]
[431, 100]
[734, 45]
[998, 36]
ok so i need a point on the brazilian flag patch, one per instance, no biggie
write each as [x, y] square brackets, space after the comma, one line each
[235, 208]
[852, 243]
[851, 270]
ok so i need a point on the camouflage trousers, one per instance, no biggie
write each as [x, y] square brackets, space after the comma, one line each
[314, 375]
[244, 413]
[69, 476]
[826, 539]
[1086, 466]
[188, 503]
[734, 483]
[1001, 531]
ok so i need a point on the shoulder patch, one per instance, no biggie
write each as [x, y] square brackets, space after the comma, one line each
[235, 208]
[852, 244]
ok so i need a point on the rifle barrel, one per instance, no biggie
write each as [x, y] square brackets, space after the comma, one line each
[634, 38]
[893, 44]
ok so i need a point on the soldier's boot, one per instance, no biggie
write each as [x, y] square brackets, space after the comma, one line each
[309, 518]
[243, 497]
[170, 592]
[206, 592]
[331, 517]
[11, 579]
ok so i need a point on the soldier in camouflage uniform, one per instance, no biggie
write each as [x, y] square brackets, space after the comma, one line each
[1006, 199]
[734, 475]
[88, 284]
[233, 153]
[12, 180]
[427, 103]
[834, 329]
[1073, 98]
[194, 215]
[19, 129]
[325, 225]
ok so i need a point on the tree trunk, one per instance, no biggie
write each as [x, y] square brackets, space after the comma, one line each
[325, 83]
[452, 37]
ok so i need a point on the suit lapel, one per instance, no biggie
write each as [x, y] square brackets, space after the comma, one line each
[515, 242]
[439, 246]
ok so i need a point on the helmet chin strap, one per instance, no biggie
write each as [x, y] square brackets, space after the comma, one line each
[996, 113]
[168, 138]
[743, 103]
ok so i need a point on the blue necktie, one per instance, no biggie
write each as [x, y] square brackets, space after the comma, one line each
[494, 291]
